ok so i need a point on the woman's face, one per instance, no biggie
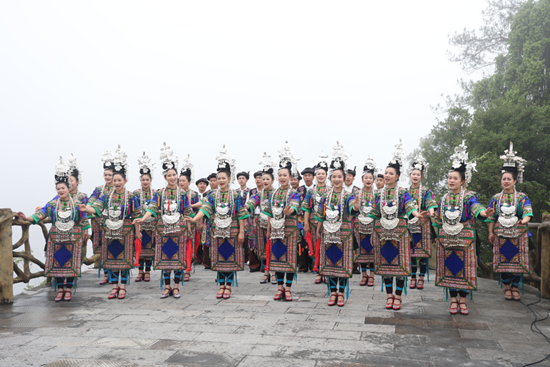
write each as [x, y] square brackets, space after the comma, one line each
[337, 178]
[390, 176]
[73, 183]
[145, 181]
[284, 177]
[416, 176]
[454, 181]
[62, 191]
[171, 177]
[119, 181]
[507, 180]
[108, 176]
[223, 180]
[267, 181]
[368, 179]
[183, 183]
[321, 176]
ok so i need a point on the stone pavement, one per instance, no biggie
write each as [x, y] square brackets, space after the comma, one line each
[251, 329]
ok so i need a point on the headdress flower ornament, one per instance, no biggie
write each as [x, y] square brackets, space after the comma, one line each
[145, 165]
[61, 172]
[168, 159]
[287, 160]
[107, 158]
[398, 156]
[339, 158]
[225, 163]
[73, 169]
[120, 161]
[460, 162]
[268, 166]
[513, 163]
[322, 162]
[420, 163]
[187, 168]
[369, 166]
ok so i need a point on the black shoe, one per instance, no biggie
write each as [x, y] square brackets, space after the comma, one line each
[254, 270]
[302, 270]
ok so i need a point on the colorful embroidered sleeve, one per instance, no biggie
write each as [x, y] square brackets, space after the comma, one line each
[253, 202]
[307, 203]
[408, 205]
[98, 204]
[154, 205]
[45, 212]
[240, 209]
[474, 206]
[321, 216]
[133, 205]
[295, 201]
[524, 207]
[375, 214]
[185, 206]
[95, 195]
[429, 200]
[493, 205]
[208, 206]
[350, 200]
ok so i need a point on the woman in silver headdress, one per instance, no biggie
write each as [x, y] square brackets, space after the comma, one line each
[508, 231]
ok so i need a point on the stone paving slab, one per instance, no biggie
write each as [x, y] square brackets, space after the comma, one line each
[250, 329]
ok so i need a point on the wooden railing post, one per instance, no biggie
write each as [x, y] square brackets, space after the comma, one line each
[6, 256]
[544, 235]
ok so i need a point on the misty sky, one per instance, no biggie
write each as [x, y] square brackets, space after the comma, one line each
[82, 77]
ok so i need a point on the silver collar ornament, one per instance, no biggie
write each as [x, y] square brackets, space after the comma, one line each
[333, 219]
[170, 212]
[222, 218]
[114, 217]
[278, 220]
[364, 219]
[451, 217]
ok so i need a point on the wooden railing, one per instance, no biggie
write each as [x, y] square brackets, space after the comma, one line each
[8, 253]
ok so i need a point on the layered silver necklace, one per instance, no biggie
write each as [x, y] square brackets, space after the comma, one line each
[389, 215]
[414, 225]
[507, 217]
[451, 218]
[278, 220]
[115, 221]
[365, 221]
[64, 220]
[149, 223]
[333, 220]
[222, 219]
[263, 217]
[170, 214]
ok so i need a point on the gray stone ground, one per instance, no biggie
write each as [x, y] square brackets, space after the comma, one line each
[251, 329]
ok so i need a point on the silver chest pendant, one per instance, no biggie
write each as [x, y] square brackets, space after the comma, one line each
[451, 222]
[509, 221]
[365, 222]
[171, 217]
[389, 219]
[332, 226]
[222, 220]
[263, 217]
[64, 222]
[277, 224]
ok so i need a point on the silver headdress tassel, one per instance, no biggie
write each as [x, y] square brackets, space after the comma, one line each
[107, 158]
[225, 163]
[369, 166]
[73, 169]
[120, 162]
[268, 165]
[513, 163]
[187, 168]
[168, 159]
[420, 164]
[398, 156]
[322, 162]
[460, 162]
[339, 158]
[146, 166]
[287, 160]
[61, 172]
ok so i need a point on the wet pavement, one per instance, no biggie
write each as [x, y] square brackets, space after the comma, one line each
[250, 329]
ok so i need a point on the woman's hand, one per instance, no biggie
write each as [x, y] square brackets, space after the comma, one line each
[525, 220]
[491, 237]
[189, 219]
[288, 210]
[487, 212]
[357, 203]
[139, 236]
[432, 212]
[240, 238]
[422, 214]
[306, 227]
[37, 208]
[21, 216]
[138, 221]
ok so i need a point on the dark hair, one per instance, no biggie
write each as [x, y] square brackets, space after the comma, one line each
[146, 174]
[380, 175]
[369, 172]
[171, 169]
[109, 169]
[514, 175]
[74, 173]
[270, 173]
[461, 173]
[228, 173]
[62, 183]
[187, 177]
[339, 169]
[123, 174]
[396, 168]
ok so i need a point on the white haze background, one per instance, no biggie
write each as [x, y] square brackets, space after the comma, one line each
[82, 77]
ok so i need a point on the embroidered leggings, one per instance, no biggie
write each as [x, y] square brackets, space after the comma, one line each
[281, 278]
[399, 284]
[510, 279]
[226, 277]
[61, 282]
[145, 263]
[365, 266]
[166, 276]
[423, 261]
[115, 274]
[337, 282]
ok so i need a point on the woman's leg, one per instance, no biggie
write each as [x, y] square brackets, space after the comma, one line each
[514, 284]
[221, 281]
[388, 283]
[177, 281]
[506, 279]
[229, 279]
[454, 303]
[289, 280]
[463, 300]
[280, 276]
[60, 285]
[332, 283]
[364, 276]
[124, 276]
[414, 268]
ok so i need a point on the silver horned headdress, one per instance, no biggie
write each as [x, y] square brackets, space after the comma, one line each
[73, 169]
[420, 163]
[322, 162]
[120, 162]
[268, 165]
[398, 157]
[513, 163]
[107, 158]
[287, 160]
[339, 158]
[226, 164]
[369, 166]
[461, 163]
[61, 172]
[146, 166]
[168, 159]
[187, 168]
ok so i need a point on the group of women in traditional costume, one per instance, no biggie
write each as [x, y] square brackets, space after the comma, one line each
[388, 231]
